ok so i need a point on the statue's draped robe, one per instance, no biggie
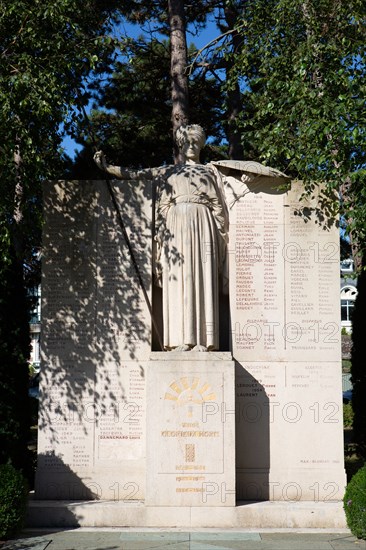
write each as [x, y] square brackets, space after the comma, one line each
[191, 232]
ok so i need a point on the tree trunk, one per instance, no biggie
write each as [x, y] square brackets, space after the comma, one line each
[234, 102]
[178, 64]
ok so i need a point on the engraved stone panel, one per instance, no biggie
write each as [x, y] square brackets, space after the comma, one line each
[285, 315]
[96, 336]
[284, 263]
[289, 431]
[191, 430]
[96, 348]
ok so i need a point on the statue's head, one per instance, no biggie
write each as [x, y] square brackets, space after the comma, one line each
[195, 130]
[190, 140]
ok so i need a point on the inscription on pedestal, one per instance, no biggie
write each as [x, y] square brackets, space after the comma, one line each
[190, 453]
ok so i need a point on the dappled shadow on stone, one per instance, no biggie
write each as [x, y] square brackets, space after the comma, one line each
[320, 206]
[96, 324]
[27, 542]
[93, 311]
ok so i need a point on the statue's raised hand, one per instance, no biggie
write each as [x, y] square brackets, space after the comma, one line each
[100, 161]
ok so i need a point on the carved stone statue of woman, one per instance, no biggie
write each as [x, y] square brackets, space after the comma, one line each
[191, 232]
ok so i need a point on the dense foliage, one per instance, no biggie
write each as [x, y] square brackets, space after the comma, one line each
[355, 504]
[347, 415]
[358, 370]
[14, 352]
[46, 49]
[305, 65]
[304, 62]
[13, 500]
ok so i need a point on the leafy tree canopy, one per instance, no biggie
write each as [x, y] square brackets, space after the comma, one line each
[156, 12]
[305, 66]
[46, 49]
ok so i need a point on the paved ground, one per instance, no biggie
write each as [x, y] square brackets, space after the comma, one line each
[152, 539]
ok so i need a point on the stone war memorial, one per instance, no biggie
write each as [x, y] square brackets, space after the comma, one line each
[191, 370]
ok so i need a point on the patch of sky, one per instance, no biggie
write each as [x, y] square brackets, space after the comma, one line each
[199, 36]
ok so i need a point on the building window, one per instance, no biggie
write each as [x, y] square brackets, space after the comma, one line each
[35, 350]
[347, 266]
[347, 310]
[348, 297]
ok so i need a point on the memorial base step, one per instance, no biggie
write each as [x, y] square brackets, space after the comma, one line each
[258, 515]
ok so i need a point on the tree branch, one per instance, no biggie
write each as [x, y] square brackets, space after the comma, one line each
[211, 43]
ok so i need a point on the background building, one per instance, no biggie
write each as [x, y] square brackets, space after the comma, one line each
[35, 327]
[348, 293]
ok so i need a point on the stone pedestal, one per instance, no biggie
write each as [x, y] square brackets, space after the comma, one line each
[243, 516]
[282, 328]
[191, 429]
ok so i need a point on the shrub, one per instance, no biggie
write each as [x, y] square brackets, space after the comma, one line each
[13, 500]
[358, 370]
[355, 504]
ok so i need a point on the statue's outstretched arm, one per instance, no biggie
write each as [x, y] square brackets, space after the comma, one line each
[125, 173]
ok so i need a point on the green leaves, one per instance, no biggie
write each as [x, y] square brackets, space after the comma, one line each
[47, 49]
[303, 82]
[305, 105]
